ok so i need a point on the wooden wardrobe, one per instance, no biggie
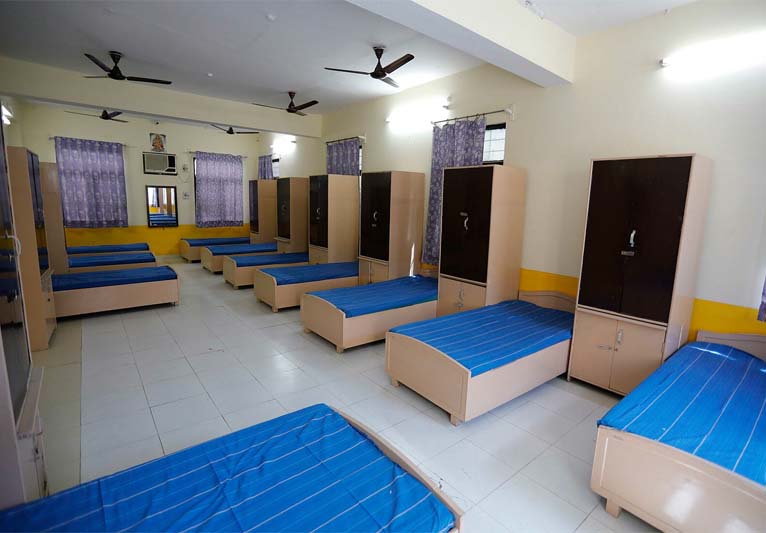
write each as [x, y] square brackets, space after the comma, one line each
[391, 225]
[263, 210]
[292, 214]
[639, 266]
[482, 230]
[35, 268]
[333, 218]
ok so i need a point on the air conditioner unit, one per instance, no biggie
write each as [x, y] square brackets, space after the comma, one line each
[159, 163]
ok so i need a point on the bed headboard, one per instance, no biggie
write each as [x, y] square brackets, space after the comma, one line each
[549, 299]
[752, 344]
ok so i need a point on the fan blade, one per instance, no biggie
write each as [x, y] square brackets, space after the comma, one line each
[114, 114]
[94, 77]
[83, 114]
[301, 113]
[398, 63]
[390, 81]
[98, 62]
[218, 127]
[147, 80]
[346, 70]
[307, 104]
[245, 132]
[118, 120]
[270, 106]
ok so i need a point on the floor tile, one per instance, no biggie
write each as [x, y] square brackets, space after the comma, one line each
[421, 437]
[116, 431]
[522, 506]
[183, 413]
[625, 523]
[254, 415]
[226, 375]
[564, 475]
[288, 382]
[512, 445]
[155, 371]
[116, 459]
[353, 389]
[383, 410]
[212, 361]
[230, 398]
[299, 400]
[179, 439]
[113, 404]
[171, 390]
[162, 350]
[539, 421]
[478, 521]
[109, 381]
[562, 402]
[580, 441]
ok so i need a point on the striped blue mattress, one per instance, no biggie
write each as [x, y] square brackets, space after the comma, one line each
[305, 274]
[234, 249]
[217, 241]
[108, 248]
[305, 471]
[708, 400]
[490, 337]
[80, 261]
[273, 259]
[383, 296]
[107, 278]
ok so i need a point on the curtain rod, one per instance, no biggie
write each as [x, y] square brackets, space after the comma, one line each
[362, 138]
[115, 142]
[470, 116]
[195, 151]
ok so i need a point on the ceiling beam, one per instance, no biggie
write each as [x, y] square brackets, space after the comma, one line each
[501, 32]
[48, 84]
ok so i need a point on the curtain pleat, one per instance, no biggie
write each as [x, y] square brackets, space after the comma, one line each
[265, 167]
[343, 157]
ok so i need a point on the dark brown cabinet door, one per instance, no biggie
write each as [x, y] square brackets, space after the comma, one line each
[657, 190]
[375, 215]
[466, 212]
[283, 208]
[254, 206]
[318, 206]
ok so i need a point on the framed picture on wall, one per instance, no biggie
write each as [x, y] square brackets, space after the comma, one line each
[157, 141]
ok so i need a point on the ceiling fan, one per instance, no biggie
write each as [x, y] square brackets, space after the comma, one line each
[116, 74]
[105, 115]
[292, 108]
[380, 72]
[231, 131]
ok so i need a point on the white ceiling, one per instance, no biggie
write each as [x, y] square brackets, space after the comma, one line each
[251, 57]
[580, 17]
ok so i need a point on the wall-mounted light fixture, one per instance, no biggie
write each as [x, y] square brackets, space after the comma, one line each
[283, 145]
[417, 116]
[718, 57]
[7, 116]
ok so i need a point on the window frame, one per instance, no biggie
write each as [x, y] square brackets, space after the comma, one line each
[492, 127]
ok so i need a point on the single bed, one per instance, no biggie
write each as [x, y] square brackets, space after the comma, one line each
[212, 256]
[352, 316]
[95, 292]
[471, 362]
[686, 449]
[190, 248]
[94, 263]
[108, 249]
[283, 286]
[311, 470]
[239, 270]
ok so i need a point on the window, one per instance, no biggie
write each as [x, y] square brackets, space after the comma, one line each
[494, 144]
[274, 168]
[217, 190]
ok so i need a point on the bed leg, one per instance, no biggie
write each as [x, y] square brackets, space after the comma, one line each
[274, 309]
[612, 508]
[455, 421]
[306, 330]
[394, 382]
[339, 349]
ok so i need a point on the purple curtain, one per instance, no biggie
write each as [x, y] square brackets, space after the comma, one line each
[762, 309]
[343, 157]
[265, 167]
[218, 190]
[92, 178]
[459, 144]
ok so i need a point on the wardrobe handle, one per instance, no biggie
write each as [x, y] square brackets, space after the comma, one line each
[465, 223]
[619, 336]
[604, 347]
[632, 239]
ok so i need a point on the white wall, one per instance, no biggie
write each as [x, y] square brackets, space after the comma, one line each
[621, 104]
[306, 159]
[37, 123]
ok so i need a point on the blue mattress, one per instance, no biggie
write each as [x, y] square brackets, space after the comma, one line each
[305, 471]
[708, 400]
[235, 249]
[304, 274]
[108, 248]
[108, 260]
[489, 337]
[106, 278]
[273, 259]
[218, 240]
[383, 296]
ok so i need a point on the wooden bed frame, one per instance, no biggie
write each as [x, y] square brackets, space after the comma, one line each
[123, 266]
[281, 296]
[672, 489]
[115, 297]
[397, 457]
[245, 276]
[448, 384]
[93, 254]
[190, 253]
[330, 323]
[214, 263]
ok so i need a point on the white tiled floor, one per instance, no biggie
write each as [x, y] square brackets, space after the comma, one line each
[157, 380]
